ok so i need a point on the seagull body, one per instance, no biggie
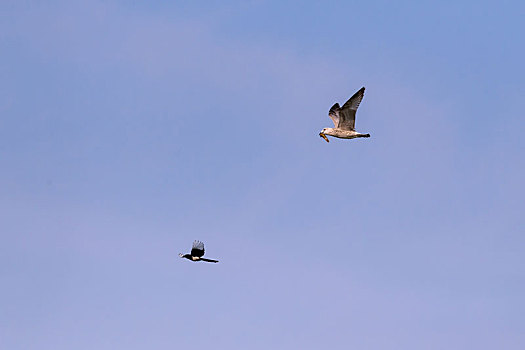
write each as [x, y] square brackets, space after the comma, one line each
[344, 119]
[197, 251]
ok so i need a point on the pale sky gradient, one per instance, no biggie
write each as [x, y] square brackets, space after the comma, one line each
[130, 129]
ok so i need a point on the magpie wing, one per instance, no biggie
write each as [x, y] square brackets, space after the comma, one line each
[197, 249]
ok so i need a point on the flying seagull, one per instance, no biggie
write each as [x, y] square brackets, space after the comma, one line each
[197, 251]
[344, 119]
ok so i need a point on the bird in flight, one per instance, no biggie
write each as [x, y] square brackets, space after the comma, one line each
[344, 119]
[197, 251]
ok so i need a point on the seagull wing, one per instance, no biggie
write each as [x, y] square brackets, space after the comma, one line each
[334, 114]
[210, 260]
[197, 249]
[347, 112]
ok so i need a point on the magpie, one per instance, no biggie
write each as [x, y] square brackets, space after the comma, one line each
[197, 251]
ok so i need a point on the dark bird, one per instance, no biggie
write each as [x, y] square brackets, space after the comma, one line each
[344, 119]
[197, 251]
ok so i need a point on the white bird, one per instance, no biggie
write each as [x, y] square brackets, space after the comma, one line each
[344, 119]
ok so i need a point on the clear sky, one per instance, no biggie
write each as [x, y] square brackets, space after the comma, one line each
[129, 129]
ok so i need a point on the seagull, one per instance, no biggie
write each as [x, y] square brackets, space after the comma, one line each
[197, 251]
[344, 119]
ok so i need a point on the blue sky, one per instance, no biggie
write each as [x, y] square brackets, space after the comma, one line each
[128, 130]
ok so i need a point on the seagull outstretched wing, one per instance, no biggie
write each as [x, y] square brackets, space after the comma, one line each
[348, 111]
[334, 114]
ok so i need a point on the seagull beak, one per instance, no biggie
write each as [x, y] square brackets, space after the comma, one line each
[324, 137]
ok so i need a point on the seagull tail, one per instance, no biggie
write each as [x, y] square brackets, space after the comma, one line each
[209, 260]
